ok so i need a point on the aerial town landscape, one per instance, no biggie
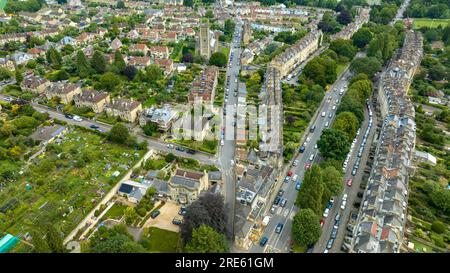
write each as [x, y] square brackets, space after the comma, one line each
[224, 126]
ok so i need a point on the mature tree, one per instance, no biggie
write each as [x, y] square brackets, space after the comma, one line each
[321, 70]
[130, 215]
[19, 76]
[310, 193]
[333, 144]
[437, 72]
[114, 240]
[229, 27]
[332, 180]
[119, 63]
[188, 3]
[218, 59]
[206, 240]
[344, 17]
[82, 65]
[188, 58]
[130, 72]
[120, 5]
[153, 73]
[351, 104]
[40, 245]
[109, 81]
[343, 48]
[306, 228]
[150, 129]
[347, 122]
[441, 200]
[99, 62]
[438, 227]
[53, 58]
[362, 37]
[5, 74]
[118, 133]
[366, 65]
[209, 210]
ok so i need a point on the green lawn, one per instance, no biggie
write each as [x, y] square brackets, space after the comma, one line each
[431, 23]
[115, 212]
[160, 240]
[67, 182]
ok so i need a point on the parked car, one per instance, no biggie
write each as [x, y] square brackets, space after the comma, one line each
[297, 186]
[280, 192]
[179, 149]
[93, 126]
[330, 243]
[263, 241]
[321, 222]
[326, 212]
[283, 203]
[302, 149]
[295, 163]
[273, 208]
[277, 200]
[77, 118]
[177, 221]
[334, 232]
[307, 166]
[182, 211]
[344, 203]
[311, 157]
[69, 116]
[155, 214]
[170, 146]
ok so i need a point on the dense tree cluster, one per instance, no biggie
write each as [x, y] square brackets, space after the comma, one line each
[431, 9]
[205, 239]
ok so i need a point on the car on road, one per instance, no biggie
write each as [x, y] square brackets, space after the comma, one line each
[181, 149]
[327, 124]
[334, 107]
[289, 173]
[69, 116]
[222, 142]
[354, 171]
[191, 151]
[294, 178]
[330, 243]
[349, 182]
[155, 214]
[311, 157]
[297, 186]
[283, 203]
[170, 146]
[277, 200]
[263, 241]
[329, 205]
[279, 228]
[287, 179]
[321, 222]
[77, 118]
[295, 163]
[344, 203]
[330, 115]
[93, 126]
[324, 114]
[307, 166]
[315, 146]
[273, 208]
[280, 192]
[312, 128]
[326, 212]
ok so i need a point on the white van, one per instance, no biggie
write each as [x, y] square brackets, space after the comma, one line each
[266, 221]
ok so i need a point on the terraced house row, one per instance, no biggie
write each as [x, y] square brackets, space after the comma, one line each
[347, 32]
[381, 220]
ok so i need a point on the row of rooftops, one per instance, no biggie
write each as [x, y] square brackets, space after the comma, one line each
[347, 32]
[380, 223]
[312, 37]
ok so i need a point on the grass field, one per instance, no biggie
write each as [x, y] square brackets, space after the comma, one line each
[160, 240]
[431, 23]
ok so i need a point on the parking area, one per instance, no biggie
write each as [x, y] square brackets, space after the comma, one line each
[164, 220]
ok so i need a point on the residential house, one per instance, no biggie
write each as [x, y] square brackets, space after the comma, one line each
[186, 186]
[116, 44]
[63, 90]
[47, 134]
[169, 37]
[125, 109]
[204, 85]
[165, 64]
[93, 99]
[163, 117]
[7, 64]
[140, 62]
[133, 191]
[34, 84]
[139, 48]
[161, 52]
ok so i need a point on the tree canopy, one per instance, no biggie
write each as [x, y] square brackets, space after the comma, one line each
[205, 239]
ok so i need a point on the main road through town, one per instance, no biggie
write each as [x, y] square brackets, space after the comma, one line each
[280, 242]
[227, 151]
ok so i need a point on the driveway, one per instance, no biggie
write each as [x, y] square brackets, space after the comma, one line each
[164, 220]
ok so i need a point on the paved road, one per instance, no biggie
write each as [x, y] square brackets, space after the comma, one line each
[227, 151]
[400, 11]
[281, 242]
[350, 191]
[298, 70]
